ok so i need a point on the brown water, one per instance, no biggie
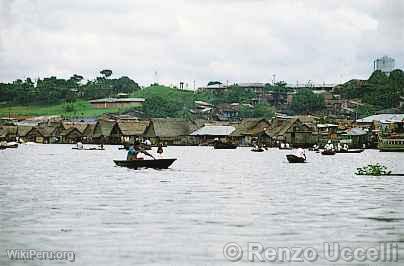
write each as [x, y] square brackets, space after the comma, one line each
[55, 198]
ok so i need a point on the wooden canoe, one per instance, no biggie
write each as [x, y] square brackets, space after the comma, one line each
[257, 150]
[351, 151]
[328, 152]
[295, 159]
[88, 149]
[223, 146]
[156, 164]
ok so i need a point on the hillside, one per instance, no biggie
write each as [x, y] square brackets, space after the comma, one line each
[80, 108]
[378, 92]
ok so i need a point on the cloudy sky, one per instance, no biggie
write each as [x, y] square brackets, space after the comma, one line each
[201, 40]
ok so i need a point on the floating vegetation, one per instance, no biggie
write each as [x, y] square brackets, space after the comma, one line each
[373, 169]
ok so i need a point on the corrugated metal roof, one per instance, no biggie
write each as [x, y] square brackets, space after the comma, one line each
[356, 132]
[384, 118]
[214, 131]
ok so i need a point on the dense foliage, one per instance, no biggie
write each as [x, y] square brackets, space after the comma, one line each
[260, 110]
[379, 90]
[163, 101]
[306, 101]
[53, 90]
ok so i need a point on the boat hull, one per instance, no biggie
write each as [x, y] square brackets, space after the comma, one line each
[88, 149]
[328, 152]
[350, 151]
[295, 159]
[225, 146]
[155, 164]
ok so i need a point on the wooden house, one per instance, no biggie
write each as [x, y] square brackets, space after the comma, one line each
[34, 135]
[170, 131]
[8, 133]
[71, 135]
[294, 132]
[250, 130]
[88, 133]
[127, 131]
[102, 132]
[211, 132]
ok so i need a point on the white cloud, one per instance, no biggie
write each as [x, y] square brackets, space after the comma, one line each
[235, 40]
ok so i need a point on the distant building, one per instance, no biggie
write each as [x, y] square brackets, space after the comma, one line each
[117, 103]
[313, 86]
[384, 64]
[257, 88]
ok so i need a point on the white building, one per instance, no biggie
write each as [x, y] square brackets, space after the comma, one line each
[384, 64]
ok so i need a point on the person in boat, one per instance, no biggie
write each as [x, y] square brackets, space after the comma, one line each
[345, 147]
[160, 150]
[339, 146]
[282, 146]
[134, 151]
[329, 146]
[287, 146]
[300, 153]
[147, 142]
[79, 145]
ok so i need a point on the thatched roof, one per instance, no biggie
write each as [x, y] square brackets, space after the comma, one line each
[69, 131]
[281, 130]
[22, 131]
[89, 131]
[8, 131]
[249, 126]
[80, 126]
[132, 128]
[164, 127]
[47, 131]
[103, 128]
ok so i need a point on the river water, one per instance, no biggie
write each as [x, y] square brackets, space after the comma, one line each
[58, 199]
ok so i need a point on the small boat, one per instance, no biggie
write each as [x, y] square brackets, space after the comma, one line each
[328, 152]
[156, 164]
[295, 159]
[12, 145]
[9, 145]
[257, 150]
[350, 151]
[221, 145]
[286, 148]
[88, 149]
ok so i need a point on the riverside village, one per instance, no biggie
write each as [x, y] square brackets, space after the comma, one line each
[206, 133]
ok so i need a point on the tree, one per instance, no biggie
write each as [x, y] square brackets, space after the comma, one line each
[76, 78]
[258, 111]
[106, 73]
[305, 101]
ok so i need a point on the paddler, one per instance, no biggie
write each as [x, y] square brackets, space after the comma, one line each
[329, 146]
[134, 151]
[160, 150]
[300, 153]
